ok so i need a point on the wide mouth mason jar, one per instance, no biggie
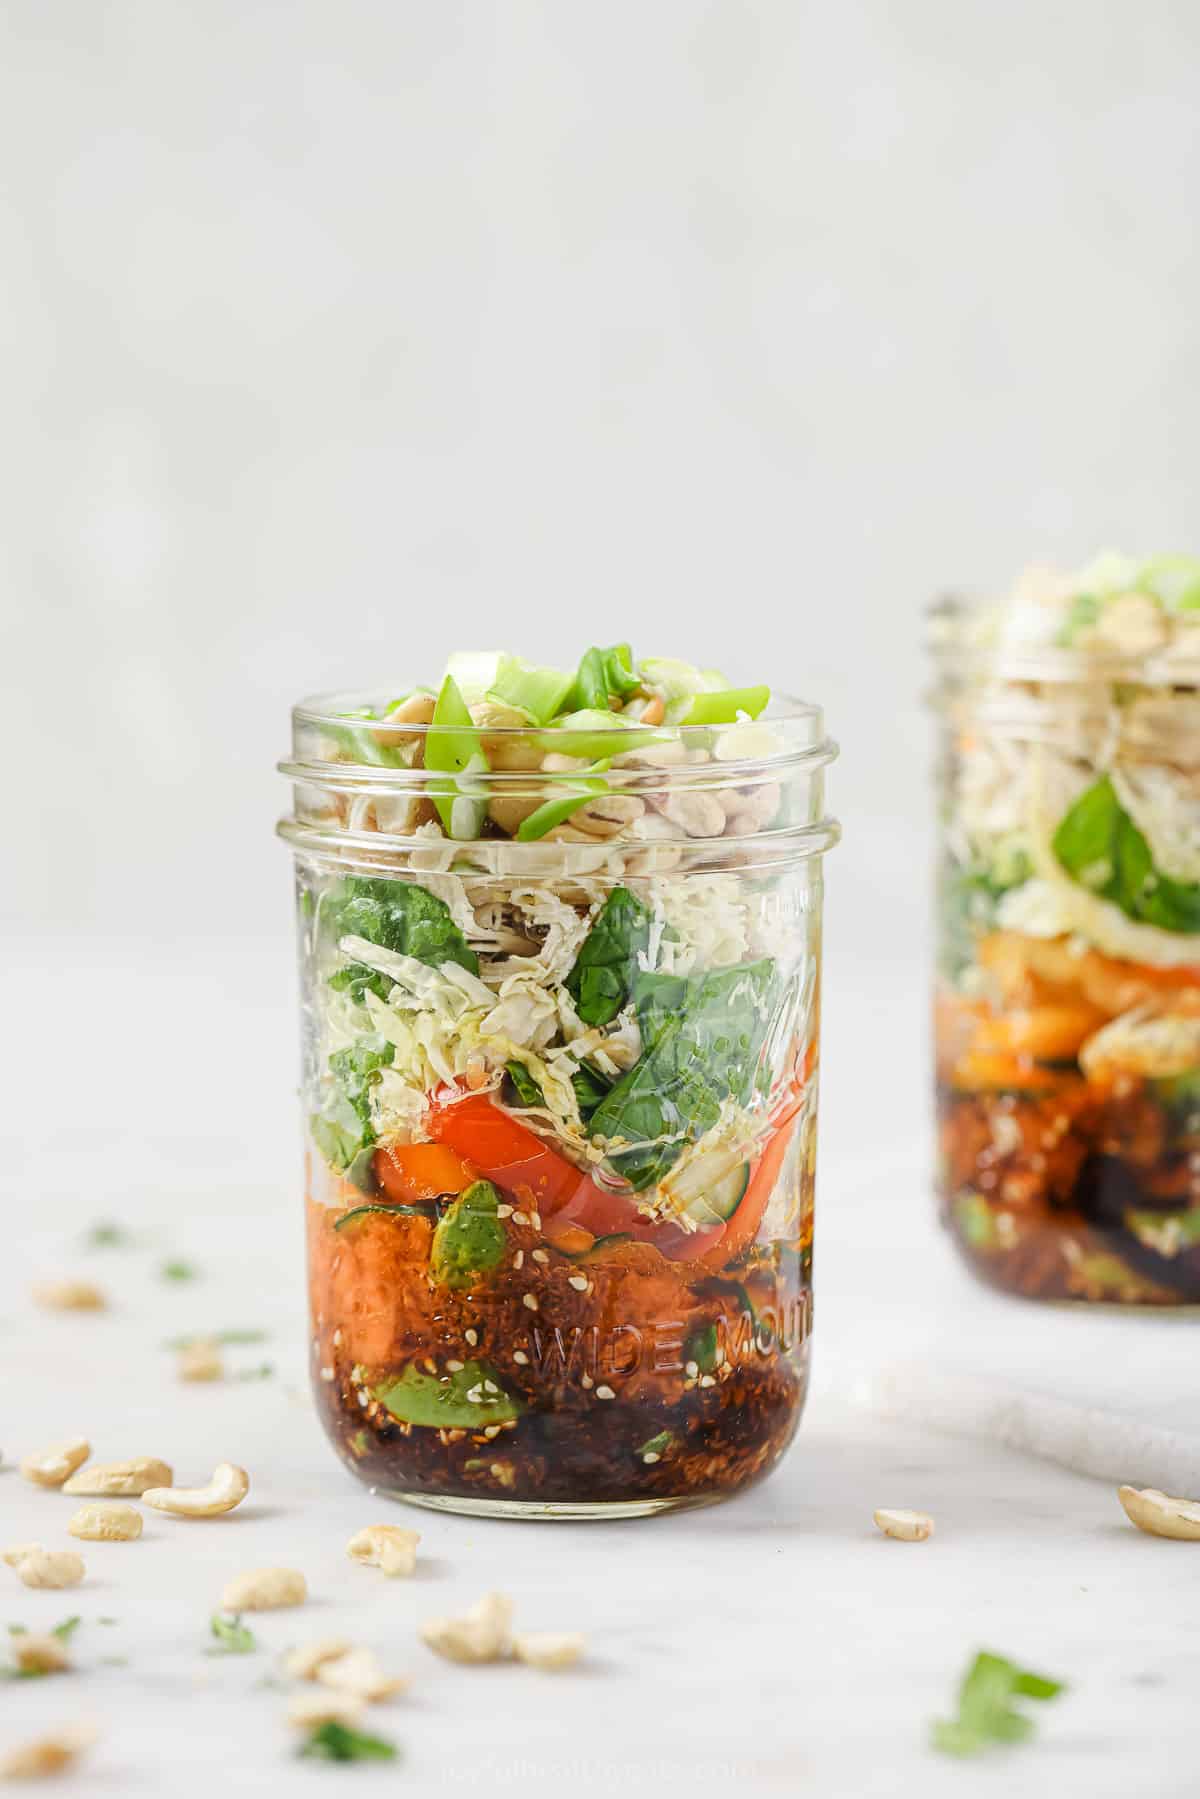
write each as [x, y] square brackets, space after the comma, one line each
[1067, 1019]
[560, 1092]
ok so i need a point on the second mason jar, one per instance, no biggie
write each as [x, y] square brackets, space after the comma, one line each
[1068, 997]
[560, 1093]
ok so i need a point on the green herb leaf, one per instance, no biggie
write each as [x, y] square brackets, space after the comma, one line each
[602, 979]
[703, 1038]
[338, 1743]
[656, 1445]
[107, 1235]
[66, 1630]
[233, 1336]
[453, 747]
[603, 673]
[398, 915]
[468, 1399]
[264, 1371]
[528, 1091]
[985, 1711]
[1102, 849]
[233, 1638]
[591, 1090]
[178, 1271]
[427, 1209]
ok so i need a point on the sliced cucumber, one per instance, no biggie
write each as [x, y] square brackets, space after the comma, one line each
[722, 1199]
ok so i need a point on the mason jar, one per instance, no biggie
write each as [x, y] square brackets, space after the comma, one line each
[560, 1099]
[1067, 1010]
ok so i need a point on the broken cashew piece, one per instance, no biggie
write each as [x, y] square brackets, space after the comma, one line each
[264, 1590]
[359, 1674]
[70, 1296]
[303, 1663]
[482, 1635]
[38, 1567]
[549, 1650]
[386, 1546]
[36, 1654]
[51, 1467]
[200, 1360]
[228, 1487]
[46, 1755]
[106, 1524]
[308, 1711]
[120, 1480]
[906, 1527]
[1159, 1515]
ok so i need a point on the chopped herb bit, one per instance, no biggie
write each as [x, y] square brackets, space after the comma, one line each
[264, 1371]
[985, 1711]
[107, 1235]
[250, 1336]
[334, 1742]
[18, 1630]
[233, 1638]
[179, 1271]
[427, 1210]
[656, 1445]
[108, 1620]
[66, 1630]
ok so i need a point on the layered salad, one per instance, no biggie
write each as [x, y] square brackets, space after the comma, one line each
[561, 998]
[1068, 1011]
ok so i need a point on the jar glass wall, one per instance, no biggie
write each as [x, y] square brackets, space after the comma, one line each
[561, 1108]
[1067, 1016]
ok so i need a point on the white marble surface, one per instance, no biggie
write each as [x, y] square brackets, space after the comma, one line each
[775, 1644]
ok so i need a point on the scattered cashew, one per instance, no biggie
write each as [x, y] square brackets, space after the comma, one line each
[548, 1650]
[1159, 1515]
[482, 1635]
[307, 1711]
[699, 814]
[906, 1527]
[227, 1488]
[385, 1546]
[119, 1480]
[69, 1296]
[303, 1663]
[106, 1523]
[46, 1755]
[417, 709]
[609, 814]
[358, 1673]
[50, 1467]
[200, 1360]
[264, 1590]
[38, 1567]
[36, 1654]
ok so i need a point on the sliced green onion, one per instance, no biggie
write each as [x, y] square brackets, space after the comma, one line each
[727, 707]
[556, 812]
[601, 673]
[473, 672]
[453, 748]
[363, 745]
[539, 693]
[591, 735]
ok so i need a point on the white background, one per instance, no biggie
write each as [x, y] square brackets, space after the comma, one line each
[335, 337]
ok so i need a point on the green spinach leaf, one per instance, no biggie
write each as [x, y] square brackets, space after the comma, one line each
[343, 1128]
[400, 916]
[602, 979]
[333, 1742]
[986, 1714]
[1102, 849]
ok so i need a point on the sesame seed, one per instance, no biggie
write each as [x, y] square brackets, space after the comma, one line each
[605, 1393]
[539, 1255]
[706, 1380]
[327, 1374]
[579, 1282]
[718, 1355]
[337, 1339]
[586, 1381]
[491, 1430]
[504, 1211]
[651, 1455]
[535, 1219]
[519, 1259]
[364, 1398]
[453, 1367]
[489, 1386]
[472, 1337]
[475, 1395]
[519, 1218]
[691, 1369]
[530, 1300]
[520, 1358]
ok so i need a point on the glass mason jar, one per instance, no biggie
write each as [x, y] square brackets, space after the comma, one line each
[560, 1094]
[1067, 1015]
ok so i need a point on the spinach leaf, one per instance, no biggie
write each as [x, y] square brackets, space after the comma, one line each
[400, 916]
[356, 978]
[343, 1128]
[528, 1091]
[602, 978]
[590, 1088]
[986, 1714]
[1102, 849]
[601, 673]
[334, 1742]
[702, 1037]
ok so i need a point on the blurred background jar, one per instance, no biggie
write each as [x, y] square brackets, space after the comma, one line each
[1067, 1008]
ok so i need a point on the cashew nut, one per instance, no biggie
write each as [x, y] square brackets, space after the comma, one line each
[1160, 1515]
[106, 1523]
[200, 1360]
[228, 1487]
[119, 1480]
[70, 1296]
[906, 1527]
[609, 814]
[302, 1663]
[46, 1755]
[385, 1546]
[548, 1649]
[698, 814]
[307, 1711]
[36, 1654]
[482, 1635]
[38, 1567]
[358, 1673]
[50, 1467]
[264, 1590]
